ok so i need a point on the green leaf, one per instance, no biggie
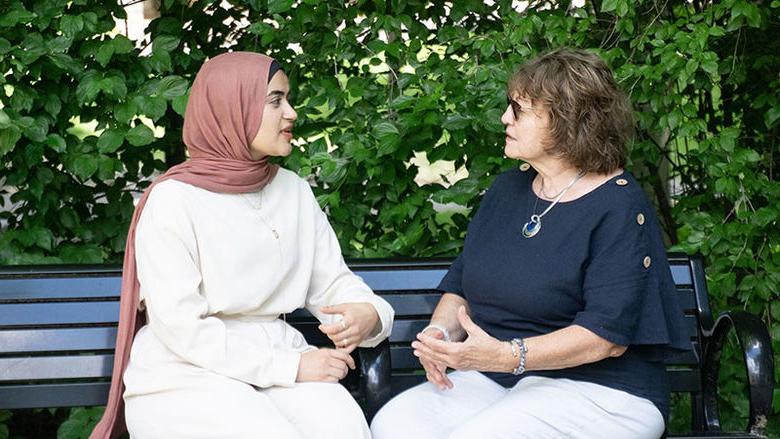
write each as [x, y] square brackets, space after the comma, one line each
[179, 104]
[384, 129]
[771, 116]
[172, 86]
[8, 139]
[89, 87]
[90, 20]
[68, 218]
[110, 140]
[5, 121]
[43, 238]
[37, 130]
[165, 43]
[59, 44]
[70, 25]
[151, 106]
[83, 166]
[5, 46]
[56, 142]
[609, 5]
[279, 6]
[140, 135]
[456, 122]
[71, 429]
[104, 53]
[114, 85]
[125, 111]
[15, 16]
[53, 105]
[66, 62]
[122, 44]
[160, 61]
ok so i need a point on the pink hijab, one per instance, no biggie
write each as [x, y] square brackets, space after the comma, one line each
[224, 113]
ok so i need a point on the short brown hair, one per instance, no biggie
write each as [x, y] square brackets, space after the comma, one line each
[591, 121]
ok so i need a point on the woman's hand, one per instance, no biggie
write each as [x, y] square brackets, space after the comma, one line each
[358, 322]
[435, 372]
[324, 365]
[479, 351]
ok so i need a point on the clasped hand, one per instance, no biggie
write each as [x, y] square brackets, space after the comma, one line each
[479, 351]
[357, 322]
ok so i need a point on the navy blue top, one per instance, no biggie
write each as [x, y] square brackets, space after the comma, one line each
[585, 267]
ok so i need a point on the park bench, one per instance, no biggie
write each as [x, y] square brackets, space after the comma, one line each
[58, 326]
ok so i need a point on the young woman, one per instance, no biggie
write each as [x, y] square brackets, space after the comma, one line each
[221, 247]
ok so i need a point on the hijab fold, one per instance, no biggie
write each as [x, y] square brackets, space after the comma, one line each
[224, 113]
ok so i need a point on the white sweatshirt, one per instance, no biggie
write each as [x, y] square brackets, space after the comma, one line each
[213, 267]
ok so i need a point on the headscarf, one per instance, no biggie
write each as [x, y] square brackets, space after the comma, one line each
[223, 115]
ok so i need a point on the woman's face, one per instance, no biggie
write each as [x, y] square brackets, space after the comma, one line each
[275, 133]
[527, 131]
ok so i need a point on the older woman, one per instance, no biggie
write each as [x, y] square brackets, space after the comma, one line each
[559, 312]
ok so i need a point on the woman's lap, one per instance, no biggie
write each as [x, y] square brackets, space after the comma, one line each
[536, 408]
[218, 406]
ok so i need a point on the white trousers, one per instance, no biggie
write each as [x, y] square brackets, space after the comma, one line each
[536, 407]
[166, 397]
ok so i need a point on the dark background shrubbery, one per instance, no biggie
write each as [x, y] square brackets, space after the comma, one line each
[375, 82]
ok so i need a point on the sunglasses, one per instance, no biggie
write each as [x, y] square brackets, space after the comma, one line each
[517, 109]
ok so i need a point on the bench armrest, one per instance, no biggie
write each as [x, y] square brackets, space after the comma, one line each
[756, 347]
[375, 375]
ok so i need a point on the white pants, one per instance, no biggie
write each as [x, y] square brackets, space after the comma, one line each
[167, 397]
[537, 407]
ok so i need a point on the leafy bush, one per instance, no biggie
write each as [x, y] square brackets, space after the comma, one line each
[375, 82]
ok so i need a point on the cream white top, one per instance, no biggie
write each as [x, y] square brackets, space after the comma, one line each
[209, 262]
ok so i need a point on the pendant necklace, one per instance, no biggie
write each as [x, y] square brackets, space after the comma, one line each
[532, 227]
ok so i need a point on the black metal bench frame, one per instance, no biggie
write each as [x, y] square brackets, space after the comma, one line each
[58, 326]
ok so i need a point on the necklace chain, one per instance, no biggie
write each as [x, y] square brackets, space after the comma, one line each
[534, 224]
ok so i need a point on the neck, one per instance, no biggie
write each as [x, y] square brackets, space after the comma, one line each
[553, 178]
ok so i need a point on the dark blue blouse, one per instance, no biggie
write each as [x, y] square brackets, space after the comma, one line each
[586, 267]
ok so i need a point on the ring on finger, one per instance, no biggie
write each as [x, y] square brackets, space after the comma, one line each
[343, 325]
[344, 341]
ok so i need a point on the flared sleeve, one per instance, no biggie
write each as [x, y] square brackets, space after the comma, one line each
[170, 278]
[628, 291]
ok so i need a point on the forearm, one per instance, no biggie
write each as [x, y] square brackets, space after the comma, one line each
[446, 315]
[568, 347]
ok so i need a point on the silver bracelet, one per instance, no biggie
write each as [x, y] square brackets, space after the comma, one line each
[519, 349]
[440, 328]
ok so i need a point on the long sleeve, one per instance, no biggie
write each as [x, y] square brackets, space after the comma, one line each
[333, 283]
[171, 282]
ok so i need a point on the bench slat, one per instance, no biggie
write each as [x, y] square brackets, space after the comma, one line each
[64, 313]
[61, 313]
[53, 395]
[64, 339]
[681, 273]
[59, 288]
[77, 366]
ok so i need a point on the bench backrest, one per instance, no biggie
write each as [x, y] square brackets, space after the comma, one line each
[58, 326]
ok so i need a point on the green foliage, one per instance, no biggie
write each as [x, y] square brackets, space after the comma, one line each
[373, 83]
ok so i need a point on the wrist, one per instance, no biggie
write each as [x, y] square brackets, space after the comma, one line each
[519, 350]
[441, 329]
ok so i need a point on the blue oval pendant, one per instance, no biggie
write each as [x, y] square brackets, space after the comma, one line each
[531, 228]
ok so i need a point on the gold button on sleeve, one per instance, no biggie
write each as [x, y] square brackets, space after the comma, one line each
[646, 262]
[640, 219]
